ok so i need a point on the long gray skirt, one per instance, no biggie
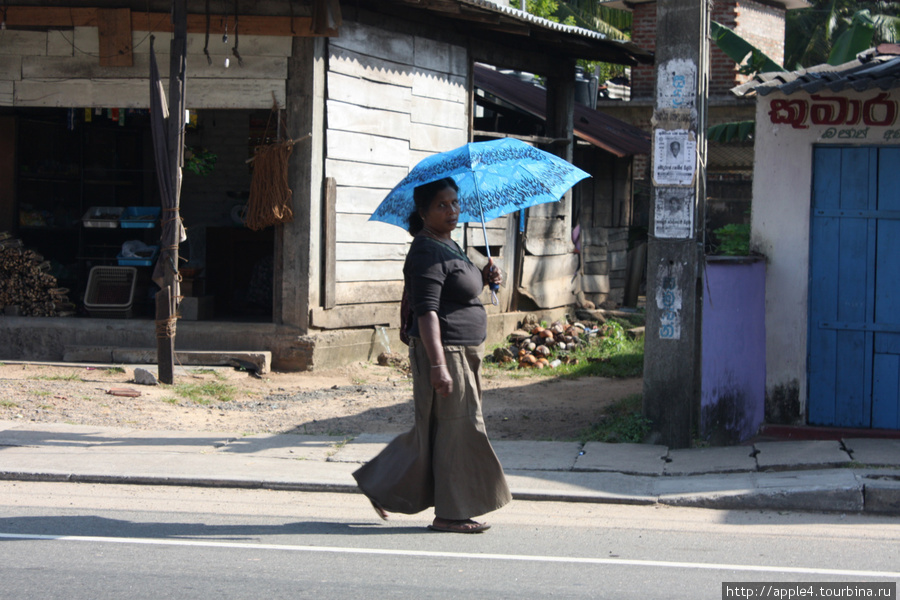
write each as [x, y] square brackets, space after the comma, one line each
[445, 460]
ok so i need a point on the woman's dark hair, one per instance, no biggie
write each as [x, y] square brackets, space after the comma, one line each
[423, 195]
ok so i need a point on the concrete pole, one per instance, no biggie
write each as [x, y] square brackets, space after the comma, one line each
[675, 248]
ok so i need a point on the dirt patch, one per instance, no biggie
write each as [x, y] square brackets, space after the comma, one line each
[359, 398]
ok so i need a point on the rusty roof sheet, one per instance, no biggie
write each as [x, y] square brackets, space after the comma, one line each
[593, 126]
[875, 68]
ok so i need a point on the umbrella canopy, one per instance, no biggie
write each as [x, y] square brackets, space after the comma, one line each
[495, 178]
[164, 147]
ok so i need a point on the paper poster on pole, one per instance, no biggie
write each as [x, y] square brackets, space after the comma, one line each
[674, 213]
[676, 84]
[674, 157]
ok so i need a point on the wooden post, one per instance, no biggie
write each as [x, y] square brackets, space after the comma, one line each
[674, 252]
[165, 344]
[166, 307]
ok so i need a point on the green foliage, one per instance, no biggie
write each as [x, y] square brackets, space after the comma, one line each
[727, 132]
[622, 422]
[612, 338]
[854, 39]
[811, 33]
[199, 161]
[545, 9]
[734, 239]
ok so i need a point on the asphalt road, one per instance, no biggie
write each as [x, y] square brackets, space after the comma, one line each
[100, 542]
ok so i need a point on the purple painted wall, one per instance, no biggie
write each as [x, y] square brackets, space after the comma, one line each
[732, 400]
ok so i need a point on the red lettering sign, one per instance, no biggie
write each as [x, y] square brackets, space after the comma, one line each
[832, 111]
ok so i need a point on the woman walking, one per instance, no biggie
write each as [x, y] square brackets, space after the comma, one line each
[445, 460]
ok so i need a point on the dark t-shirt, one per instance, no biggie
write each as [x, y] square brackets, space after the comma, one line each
[441, 278]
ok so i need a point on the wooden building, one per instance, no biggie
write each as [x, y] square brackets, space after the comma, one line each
[364, 89]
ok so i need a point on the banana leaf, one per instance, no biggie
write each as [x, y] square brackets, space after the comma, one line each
[855, 39]
[738, 49]
[735, 131]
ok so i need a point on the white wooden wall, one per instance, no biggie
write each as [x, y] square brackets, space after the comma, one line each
[392, 99]
[61, 68]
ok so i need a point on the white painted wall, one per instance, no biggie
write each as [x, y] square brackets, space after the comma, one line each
[782, 192]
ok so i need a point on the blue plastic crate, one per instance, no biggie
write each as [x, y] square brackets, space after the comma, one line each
[140, 217]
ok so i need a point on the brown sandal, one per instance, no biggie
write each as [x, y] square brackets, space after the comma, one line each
[460, 526]
[379, 509]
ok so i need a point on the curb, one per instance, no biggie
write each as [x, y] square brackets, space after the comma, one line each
[872, 496]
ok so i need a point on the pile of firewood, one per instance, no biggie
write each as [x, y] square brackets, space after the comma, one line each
[26, 287]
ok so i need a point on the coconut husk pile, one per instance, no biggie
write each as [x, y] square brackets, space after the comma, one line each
[26, 287]
[533, 346]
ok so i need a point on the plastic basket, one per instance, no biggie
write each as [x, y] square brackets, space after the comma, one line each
[138, 261]
[110, 292]
[140, 217]
[103, 216]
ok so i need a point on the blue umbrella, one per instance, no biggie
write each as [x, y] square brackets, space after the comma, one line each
[495, 178]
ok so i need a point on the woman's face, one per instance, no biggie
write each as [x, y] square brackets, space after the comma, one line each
[443, 212]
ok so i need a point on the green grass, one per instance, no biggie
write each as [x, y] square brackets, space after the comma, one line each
[70, 377]
[206, 393]
[8, 404]
[212, 372]
[113, 371]
[622, 422]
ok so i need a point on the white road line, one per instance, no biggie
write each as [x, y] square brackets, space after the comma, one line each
[464, 555]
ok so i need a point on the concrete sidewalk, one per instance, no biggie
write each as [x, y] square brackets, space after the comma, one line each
[854, 475]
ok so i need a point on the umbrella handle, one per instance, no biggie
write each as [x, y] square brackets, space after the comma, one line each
[494, 289]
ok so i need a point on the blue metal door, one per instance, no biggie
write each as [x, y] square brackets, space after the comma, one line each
[854, 291]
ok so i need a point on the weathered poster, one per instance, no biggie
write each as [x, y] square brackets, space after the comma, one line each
[674, 157]
[676, 84]
[668, 301]
[674, 212]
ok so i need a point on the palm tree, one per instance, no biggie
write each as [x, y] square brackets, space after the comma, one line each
[812, 33]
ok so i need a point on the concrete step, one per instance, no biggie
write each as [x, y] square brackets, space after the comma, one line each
[260, 359]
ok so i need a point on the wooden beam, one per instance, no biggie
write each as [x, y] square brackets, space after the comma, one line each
[357, 315]
[55, 17]
[329, 242]
[114, 31]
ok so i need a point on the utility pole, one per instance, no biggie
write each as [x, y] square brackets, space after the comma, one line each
[167, 297]
[675, 248]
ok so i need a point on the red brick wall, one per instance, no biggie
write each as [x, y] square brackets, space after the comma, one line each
[761, 25]
[643, 33]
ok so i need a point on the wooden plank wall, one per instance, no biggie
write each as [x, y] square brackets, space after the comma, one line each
[61, 68]
[605, 217]
[549, 266]
[392, 99]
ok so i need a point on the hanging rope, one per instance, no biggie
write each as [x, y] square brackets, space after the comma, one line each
[270, 193]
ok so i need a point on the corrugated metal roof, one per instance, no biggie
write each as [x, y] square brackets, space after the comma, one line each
[530, 18]
[875, 68]
[627, 4]
[493, 17]
[591, 125]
